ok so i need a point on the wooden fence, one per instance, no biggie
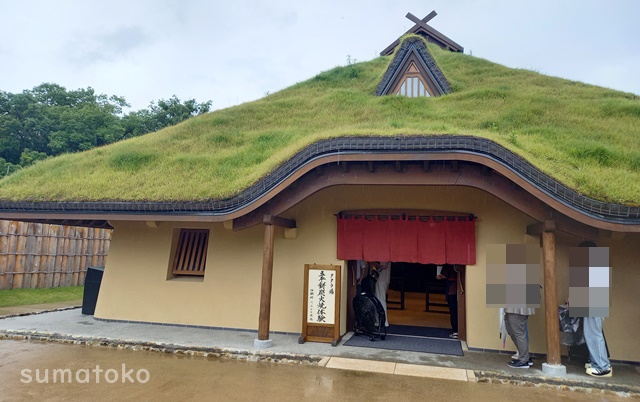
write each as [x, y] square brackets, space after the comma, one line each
[38, 255]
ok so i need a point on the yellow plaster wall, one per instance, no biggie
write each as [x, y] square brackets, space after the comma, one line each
[135, 285]
[623, 324]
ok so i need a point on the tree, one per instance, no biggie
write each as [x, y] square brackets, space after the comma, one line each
[9, 144]
[7, 168]
[138, 123]
[50, 120]
[163, 114]
[85, 127]
[21, 121]
[30, 157]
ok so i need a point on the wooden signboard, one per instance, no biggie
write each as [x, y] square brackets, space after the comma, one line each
[321, 304]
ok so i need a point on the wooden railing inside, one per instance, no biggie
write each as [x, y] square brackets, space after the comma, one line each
[38, 255]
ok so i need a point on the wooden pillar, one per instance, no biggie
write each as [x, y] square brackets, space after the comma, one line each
[270, 222]
[551, 293]
[267, 273]
[462, 302]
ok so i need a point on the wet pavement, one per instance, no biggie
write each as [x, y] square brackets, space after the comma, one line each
[70, 326]
[36, 371]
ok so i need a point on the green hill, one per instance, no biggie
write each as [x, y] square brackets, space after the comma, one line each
[582, 135]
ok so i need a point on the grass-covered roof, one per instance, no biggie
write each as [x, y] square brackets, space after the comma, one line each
[586, 137]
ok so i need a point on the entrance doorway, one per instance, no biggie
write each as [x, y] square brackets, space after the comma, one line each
[415, 297]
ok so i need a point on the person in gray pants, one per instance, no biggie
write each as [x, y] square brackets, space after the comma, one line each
[516, 322]
[599, 364]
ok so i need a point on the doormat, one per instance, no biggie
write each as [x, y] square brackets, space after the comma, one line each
[409, 344]
[429, 332]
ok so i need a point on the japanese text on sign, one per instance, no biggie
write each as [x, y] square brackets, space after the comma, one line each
[321, 296]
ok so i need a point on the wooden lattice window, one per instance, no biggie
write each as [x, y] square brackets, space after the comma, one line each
[191, 252]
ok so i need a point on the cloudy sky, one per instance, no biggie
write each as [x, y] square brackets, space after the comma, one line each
[233, 52]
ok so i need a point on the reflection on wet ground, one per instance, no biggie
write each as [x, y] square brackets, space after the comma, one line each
[73, 373]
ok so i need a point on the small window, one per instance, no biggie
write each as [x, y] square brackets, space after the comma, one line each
[413, 87]
[191, 252]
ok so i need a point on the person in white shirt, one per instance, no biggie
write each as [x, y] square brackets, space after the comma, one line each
[382, 285]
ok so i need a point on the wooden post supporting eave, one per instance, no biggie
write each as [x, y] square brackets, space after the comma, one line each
[551, 293]
[265, 293]
[270, 222]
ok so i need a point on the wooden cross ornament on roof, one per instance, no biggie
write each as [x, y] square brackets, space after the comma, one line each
[422, 22]
[430, 34]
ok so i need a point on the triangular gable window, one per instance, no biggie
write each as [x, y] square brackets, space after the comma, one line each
[412, 84]
[413, 72]
[412, 87]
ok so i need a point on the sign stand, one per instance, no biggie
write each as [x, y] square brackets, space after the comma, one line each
[321, 304]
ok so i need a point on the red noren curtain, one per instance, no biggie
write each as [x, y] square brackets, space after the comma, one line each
[425, 240]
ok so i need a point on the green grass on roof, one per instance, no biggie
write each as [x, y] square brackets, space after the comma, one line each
[584, 136]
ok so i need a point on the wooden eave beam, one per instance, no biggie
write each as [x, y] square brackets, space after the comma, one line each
[537, 229]
[470, 175]
[278, 221]
[89, 223]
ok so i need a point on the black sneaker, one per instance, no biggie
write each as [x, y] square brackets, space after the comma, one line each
[519, 364]
[530, 362]
[453, 335]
